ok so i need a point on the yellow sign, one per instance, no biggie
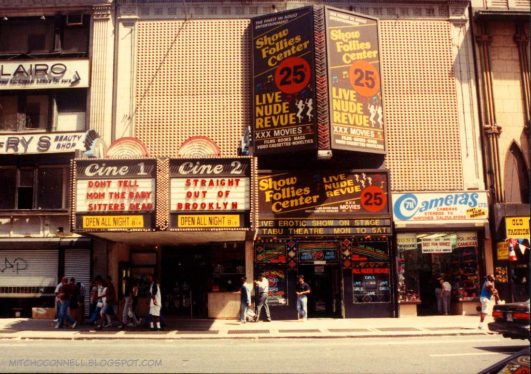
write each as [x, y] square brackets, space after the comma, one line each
[211, 220]
[517, 227]
[503, 251]
[113, 222]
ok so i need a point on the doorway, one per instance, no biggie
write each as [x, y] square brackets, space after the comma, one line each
[324, 300]
[189, 273]
[184, 281]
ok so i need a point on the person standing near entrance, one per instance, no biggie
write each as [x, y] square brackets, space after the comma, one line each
[262, 285]
[488, 291]
[446, 293]
[302, 291]
[245, 299]
[155, 303]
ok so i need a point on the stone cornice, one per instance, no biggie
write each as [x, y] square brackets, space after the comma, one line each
[427, 9]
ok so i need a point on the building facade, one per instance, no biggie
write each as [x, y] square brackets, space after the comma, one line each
[51, 63]
[341, 142]
[501, 31]
[187, 88]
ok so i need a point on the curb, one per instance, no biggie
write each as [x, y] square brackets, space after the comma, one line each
[225, 336]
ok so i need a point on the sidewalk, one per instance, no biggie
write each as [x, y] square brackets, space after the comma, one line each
[22, 328]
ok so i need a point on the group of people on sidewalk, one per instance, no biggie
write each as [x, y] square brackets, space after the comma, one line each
[103, 308]
[103, 305]
[261, 295]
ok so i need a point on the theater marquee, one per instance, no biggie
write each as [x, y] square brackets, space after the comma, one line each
[114, 195]
[210, 193]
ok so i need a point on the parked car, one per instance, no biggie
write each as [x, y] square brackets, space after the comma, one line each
[516, 363]
[511, 320]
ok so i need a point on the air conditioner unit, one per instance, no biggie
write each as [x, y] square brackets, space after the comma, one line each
[74, 19]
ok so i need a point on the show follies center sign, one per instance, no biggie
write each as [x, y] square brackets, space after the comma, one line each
[284, 105]
[114, 195]
[355, 96]
[210, 193]
[324, 203]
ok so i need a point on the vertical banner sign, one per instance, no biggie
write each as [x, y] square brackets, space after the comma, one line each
[210, 193]
[114, 195]
[356, 112]
[284, 115]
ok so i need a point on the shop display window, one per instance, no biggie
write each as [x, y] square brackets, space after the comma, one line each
[278, 284]
[228, 267]
[464, 274]
[371, 272]
[270, 253]
[408, 281]
[313, 253]
[424, 258]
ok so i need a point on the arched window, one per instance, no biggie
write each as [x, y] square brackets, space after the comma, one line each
[516, 176]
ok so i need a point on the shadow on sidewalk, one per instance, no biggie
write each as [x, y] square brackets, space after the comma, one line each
[171, 324]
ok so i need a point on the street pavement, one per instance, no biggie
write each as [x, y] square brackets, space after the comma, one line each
[22, 328]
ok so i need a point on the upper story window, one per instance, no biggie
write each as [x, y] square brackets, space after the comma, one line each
[34, 187]
[62, 35]
[59, 110]
[24, 112]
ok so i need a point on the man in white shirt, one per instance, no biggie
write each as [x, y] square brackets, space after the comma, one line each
[262, 285]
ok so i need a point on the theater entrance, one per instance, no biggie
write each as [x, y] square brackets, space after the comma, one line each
[190, 273]
[324, 300]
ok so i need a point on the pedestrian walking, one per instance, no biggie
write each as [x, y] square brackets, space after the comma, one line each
[262, 285]
[108, 314]
[488, 292]
[64, 294]
[74, 299]
[155, 303]
[57, 300]
[81, 292]
[302, 290]
[131, 293]
[245, 299]
[96, 300]
[446, 296]
[438, 296]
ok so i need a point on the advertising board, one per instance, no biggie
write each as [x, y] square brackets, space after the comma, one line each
[355, 97]
[284, 103]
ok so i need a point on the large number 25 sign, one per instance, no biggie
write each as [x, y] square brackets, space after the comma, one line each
[292, 75]
[364, 78]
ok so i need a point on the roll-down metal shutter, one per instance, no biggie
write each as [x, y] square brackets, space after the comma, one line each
[28, 268]
[77, 265]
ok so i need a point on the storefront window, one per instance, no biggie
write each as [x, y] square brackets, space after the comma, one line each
[228, 267]
[278, 286]
[271, 259]
[371, 272]
[425, 258]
